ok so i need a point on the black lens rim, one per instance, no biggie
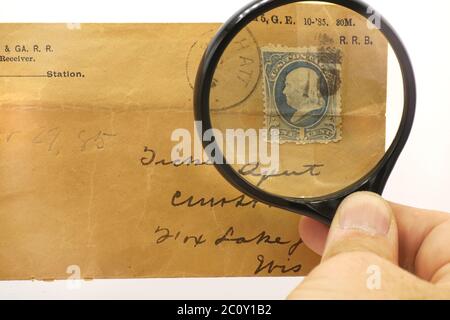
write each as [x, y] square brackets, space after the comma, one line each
[320, 208]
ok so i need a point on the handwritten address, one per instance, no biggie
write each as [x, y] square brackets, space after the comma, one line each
[231, 237]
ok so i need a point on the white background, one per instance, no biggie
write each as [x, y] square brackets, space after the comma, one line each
[421, 178]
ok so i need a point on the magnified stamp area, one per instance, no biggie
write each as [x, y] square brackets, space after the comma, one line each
[302, 97]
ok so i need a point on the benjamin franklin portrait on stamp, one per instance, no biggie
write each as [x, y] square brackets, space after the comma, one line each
[302, 98]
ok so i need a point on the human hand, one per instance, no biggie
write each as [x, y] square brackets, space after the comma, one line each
[378, 250]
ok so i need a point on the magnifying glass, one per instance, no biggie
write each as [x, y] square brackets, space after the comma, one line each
[301, 103]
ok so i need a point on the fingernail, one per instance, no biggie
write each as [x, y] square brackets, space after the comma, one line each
[366, 213]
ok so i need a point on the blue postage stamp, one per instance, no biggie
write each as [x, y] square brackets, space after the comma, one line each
[302, 93]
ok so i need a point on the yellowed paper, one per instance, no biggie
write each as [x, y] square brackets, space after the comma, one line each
[86, 182]
[85, 169]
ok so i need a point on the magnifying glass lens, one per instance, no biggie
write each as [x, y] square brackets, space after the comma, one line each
[307, 99]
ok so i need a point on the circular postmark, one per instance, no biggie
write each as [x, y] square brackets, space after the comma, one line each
[301, 94]
[237, 74]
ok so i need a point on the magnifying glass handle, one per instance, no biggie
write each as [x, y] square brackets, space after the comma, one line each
[324, 211]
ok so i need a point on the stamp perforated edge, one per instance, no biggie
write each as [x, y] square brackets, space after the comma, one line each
[338, 116]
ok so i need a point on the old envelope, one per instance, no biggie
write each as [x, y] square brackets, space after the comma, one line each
[86, 116]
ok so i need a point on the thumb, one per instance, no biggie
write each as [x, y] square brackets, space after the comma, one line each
[364, 222]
